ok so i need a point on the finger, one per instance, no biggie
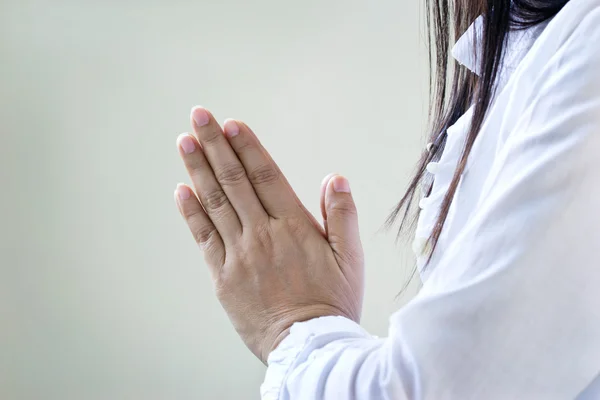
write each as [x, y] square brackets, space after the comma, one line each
[324, 184]
[342, 225]
[308, 214]
[210, 193]
[274, 194]
[201, 226]
[228, 169]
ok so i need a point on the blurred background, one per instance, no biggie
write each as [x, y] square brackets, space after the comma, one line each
[103, 293]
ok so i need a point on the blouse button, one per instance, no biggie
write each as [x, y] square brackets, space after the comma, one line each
[429, 147]
[433, 167]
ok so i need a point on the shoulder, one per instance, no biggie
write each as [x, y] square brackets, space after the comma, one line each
[567, 50]
[556, 89]
[579, 20]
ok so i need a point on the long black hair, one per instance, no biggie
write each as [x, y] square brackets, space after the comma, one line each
[453, 88]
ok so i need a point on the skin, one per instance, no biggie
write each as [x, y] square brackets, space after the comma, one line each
[271, 262]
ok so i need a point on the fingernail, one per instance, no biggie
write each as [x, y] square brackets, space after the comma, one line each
[200, 116]
[183, 192]
[231, 128]
[186, 143]
[341, 185]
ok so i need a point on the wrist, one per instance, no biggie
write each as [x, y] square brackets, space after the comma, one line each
[281, 329]
[274, 344]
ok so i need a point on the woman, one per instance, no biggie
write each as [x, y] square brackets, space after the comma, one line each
[506, 239]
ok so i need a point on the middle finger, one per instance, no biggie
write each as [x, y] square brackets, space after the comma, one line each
[228, 169]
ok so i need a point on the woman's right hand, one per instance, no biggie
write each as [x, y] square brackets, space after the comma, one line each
[271, 263]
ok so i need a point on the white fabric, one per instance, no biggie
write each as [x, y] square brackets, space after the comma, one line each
[510, 308]
[518, 45]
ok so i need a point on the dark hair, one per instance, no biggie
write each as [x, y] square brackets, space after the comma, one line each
[453, 88]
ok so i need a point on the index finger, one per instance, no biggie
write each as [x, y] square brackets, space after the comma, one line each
[308, 214]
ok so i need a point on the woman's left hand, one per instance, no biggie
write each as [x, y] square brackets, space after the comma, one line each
[270, 261]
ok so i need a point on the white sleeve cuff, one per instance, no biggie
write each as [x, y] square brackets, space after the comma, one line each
[304, 338]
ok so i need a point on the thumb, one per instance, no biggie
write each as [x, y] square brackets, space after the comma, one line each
[324, 185]
[342, 224]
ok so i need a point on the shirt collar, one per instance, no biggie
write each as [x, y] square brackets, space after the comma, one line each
[464, 51]
[467, 49]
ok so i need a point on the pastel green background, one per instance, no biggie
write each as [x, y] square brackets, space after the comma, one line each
[103, 294]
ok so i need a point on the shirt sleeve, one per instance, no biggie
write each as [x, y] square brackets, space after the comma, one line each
[512, 309]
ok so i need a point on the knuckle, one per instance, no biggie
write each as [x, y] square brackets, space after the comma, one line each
[222, 284]
[243, 146]
[347, 208]
[264, 175]
[204, 235]
[338, 240]
[231, 174]
[227, 278]
[211, 136]
[263, 235]
[352, 252]
[197, 164]
[215, 200]
[191, 214]
[296, 226]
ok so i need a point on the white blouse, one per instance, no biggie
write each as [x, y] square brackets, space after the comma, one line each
[510, 304]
